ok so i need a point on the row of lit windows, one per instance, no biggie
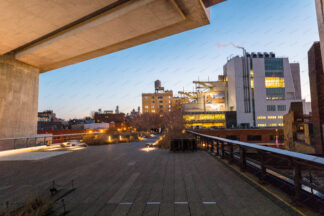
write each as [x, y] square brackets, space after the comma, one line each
[206, 125]
[274, 82]
[271, 125]
[200, 117]
[270, 117]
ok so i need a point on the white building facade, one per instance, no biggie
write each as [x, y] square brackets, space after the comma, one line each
[261, 88]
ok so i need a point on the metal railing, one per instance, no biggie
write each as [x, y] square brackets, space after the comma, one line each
[301, 175]
[39, 140]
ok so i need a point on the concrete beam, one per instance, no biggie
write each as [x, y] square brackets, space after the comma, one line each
[50, 35]
[209, 3]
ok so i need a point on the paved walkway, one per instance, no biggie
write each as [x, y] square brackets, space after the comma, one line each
[124, 179]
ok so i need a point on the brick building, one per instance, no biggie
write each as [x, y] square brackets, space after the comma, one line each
[316, 82]
[158, 102]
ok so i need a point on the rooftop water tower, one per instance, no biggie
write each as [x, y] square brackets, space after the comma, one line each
[158, 86]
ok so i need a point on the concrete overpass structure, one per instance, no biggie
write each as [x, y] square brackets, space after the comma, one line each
[37, 36]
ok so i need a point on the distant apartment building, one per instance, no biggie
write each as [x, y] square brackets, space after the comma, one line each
[47, 121]
[118, 119]
[46, 116]
[158, 102]
[260, 88]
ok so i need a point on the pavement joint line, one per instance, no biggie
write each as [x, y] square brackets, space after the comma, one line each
[153, 203]
[209, 203]
[126, 203]
[181, 203]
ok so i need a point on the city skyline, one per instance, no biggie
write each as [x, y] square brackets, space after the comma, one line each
[120, 78]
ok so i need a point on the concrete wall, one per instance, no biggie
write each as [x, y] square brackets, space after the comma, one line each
[234, 70]
[295, 72]
[18, 98]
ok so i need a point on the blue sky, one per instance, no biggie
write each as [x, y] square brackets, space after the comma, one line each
[286, 27]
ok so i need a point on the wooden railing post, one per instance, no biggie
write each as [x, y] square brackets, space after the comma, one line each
[243, 158]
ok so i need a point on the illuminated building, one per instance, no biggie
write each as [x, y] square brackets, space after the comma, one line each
[207, 106]
[260, 88]
[158, 102]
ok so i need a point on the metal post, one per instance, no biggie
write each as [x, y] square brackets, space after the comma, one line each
[223, 150]
[217, 146]
[213, 146]
[263, 167]
[231, 153]
[297, 182]
[243, 158]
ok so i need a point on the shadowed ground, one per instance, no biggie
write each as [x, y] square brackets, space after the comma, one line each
[124, 179]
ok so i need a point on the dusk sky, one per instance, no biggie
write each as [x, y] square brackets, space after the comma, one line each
[286, 27]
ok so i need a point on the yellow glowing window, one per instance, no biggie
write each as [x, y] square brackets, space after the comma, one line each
[252, 83]
[274, 82]
[199, 117]
[261, 117]
[262, 125]
[273, 125]
[153, 111]
[272, 117]
[280, 117]
[206, 125]
[280, 124]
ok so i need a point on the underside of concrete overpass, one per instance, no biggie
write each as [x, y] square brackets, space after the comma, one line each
[37, 36]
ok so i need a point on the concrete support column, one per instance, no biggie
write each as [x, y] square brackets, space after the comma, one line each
[18, 98]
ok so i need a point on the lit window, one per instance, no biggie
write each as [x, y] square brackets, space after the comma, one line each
[262, 125]
[261, 117]
[152, 107]
[153, 111]
[146, 107]
[272, 117]
[280, 125]
[274, 82]
[280, 117]
[272, 125]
